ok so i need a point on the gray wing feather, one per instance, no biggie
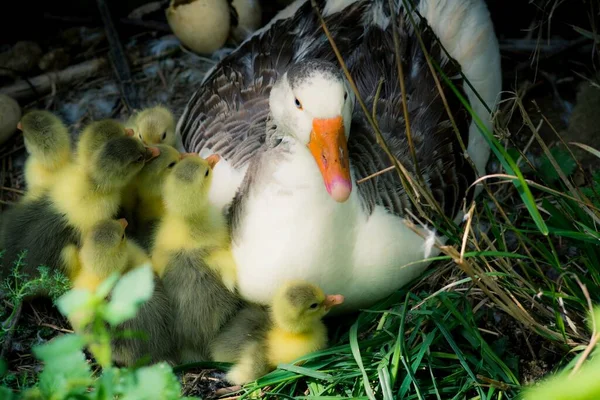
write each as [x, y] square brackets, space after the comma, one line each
[228, 113]
[439, 155]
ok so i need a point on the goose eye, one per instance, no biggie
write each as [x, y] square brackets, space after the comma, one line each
[276, 141]
[314, 305]
[345, 95]
[164, 135]
[171, 165]
[298, 104]
[207, 172]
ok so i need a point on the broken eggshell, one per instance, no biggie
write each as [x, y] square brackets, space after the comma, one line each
[249, 18]
[201, 25]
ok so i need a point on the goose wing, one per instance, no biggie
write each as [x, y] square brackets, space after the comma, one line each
[228, 113]
[440, 158]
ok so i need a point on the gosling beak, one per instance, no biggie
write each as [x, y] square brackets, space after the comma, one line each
[123, 222]
[333, 300]
[129, 132]
[212, 160]
[185, 155]
[20, 126]
[329, 147]
[151, 152]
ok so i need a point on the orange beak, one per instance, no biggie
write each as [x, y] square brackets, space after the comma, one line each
[129, 132]
[329, 147]
[185, 155]
[123, 222]
[151, 153]
[333, 300]
[212, 160]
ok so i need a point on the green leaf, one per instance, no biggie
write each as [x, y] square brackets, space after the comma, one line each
[154, 382]
[107, 285]
[59, 347]
[132, 290]
[66, 371]
[74, 300]
[564, 160]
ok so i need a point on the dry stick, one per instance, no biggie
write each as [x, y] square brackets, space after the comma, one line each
[383, 171]
[119, 59]
[403, 91]
[444, 100]
[536, 185]
[43, 83]
[491, 289]
[467, 230]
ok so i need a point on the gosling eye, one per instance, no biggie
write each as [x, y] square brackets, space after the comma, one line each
[123, 236]
[171, 165]
[140, 136]
[164, 135]
[314, 305]
[345, 95]
[140, 159]
[298, 104]
[207, 172]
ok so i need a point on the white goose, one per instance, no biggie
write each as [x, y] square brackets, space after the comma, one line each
[293, 141]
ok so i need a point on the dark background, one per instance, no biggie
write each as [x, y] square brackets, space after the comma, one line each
[39, 20]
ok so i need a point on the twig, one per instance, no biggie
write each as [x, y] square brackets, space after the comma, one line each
[56, 328]
[9, 189]
[119, 59]
[463, 247]
[42, 84]
[383, 171]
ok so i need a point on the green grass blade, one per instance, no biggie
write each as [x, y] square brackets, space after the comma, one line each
[357, 357]
[305, 371]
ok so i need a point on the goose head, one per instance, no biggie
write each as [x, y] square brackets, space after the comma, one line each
[312, 104]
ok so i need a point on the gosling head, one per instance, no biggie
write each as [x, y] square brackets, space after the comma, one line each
[96, 134]
[298, 305]
[186, 188]
[156, 125]
[104, 246]
[152, 177]
[312, 104]
[46, 137]
[118, 161]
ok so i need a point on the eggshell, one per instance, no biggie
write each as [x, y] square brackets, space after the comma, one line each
[201, 25]
[249, 18]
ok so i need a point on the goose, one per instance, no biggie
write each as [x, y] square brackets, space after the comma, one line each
[294, 141]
